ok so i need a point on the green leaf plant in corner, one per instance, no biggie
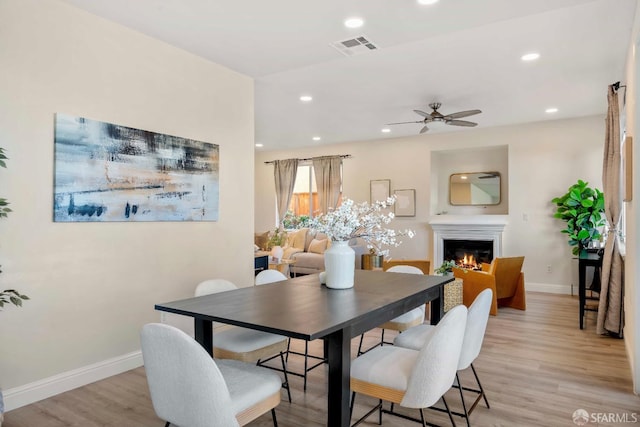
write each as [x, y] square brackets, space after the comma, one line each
[582, 208]
[8, 296]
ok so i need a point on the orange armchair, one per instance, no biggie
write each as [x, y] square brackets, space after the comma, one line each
[504, 276]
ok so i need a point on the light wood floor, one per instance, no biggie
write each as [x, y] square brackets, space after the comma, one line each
[537, 368]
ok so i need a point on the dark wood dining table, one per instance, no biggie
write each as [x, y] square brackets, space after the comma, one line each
[303, 308]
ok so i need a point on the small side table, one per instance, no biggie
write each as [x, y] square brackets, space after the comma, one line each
[586, 259]
[282, 266]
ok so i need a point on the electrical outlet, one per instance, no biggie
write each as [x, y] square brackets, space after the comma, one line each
[525, 217]
[548, 268]
[163, 317]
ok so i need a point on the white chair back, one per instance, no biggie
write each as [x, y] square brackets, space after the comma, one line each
[404, 269]
[186, 386]
[437, 362]
[213, 286]
[476, 326]
[269, 276]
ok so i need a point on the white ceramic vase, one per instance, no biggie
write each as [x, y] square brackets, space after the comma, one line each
[276, 253]
[340, 265]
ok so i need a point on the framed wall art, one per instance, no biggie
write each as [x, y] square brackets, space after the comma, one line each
[380, 189]
[405, 202]
[106, 172]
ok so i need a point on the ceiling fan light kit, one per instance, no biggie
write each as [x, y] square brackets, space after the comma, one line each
[448, 119]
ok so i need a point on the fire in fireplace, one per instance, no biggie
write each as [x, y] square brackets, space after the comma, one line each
[468, 253]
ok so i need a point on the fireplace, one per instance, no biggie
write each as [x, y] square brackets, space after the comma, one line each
[468, 253]
[481, 233]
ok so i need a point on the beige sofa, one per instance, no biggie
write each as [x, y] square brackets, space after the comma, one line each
[307, 248]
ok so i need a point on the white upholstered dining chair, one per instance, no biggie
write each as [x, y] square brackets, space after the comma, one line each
[403, 322]
[244, 344]
[269, 276]
[189, 388]
[411, 378]
[416, 337]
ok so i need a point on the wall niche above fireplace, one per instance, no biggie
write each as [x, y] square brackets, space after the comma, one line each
[445, 163]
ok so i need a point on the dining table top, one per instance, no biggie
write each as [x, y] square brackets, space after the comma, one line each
[304, 308]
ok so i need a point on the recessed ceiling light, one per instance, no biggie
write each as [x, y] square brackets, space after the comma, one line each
[386, 130]
[530, 56]
[428, 2]
[551, 110]
[259, 145]
[354, 22]
[316, 138]
[306, 98]
[463, 177]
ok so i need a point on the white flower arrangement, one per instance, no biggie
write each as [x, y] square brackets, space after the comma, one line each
[362, 220]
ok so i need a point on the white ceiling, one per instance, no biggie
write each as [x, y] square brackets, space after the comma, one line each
[463, 53]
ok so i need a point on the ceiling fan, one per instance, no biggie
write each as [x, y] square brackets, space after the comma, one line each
[436, 116]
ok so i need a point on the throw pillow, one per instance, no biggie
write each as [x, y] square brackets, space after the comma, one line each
[296, 239]
[318, 246]
[261, 239]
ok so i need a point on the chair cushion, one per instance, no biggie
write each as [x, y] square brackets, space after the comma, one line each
[248, 384]
[309, 260]
[388, 366]
[414, 338]
[243, 340]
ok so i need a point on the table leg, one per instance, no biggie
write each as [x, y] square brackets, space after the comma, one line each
[339, 355]
[204, 334]
[437, 307]
[582, 292]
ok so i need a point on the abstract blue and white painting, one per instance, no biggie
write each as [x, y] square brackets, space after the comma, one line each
[107, 172]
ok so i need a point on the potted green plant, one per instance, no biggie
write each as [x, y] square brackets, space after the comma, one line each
[446, 268]
[582, 208]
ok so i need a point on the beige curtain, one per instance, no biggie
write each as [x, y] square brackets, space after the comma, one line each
[328, 181]
[610, 309]
[285, 174]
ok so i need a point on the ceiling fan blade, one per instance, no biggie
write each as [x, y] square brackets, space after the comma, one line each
[461, 114]
[461, 123]
[422, 113]
[404, 123]
[424, 129]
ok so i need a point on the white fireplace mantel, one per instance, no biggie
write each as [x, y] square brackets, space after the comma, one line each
[466, 227]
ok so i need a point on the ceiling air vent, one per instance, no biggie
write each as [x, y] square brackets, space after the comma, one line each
[354, 46]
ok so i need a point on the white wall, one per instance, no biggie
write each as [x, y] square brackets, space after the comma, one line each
[544, 159]
[93, 285]
[632, 267]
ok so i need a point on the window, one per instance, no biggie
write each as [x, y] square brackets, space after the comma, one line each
[304, 200]
[305, 192]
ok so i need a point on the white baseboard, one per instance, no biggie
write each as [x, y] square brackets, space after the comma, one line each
[548, 288]
[29, 393]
